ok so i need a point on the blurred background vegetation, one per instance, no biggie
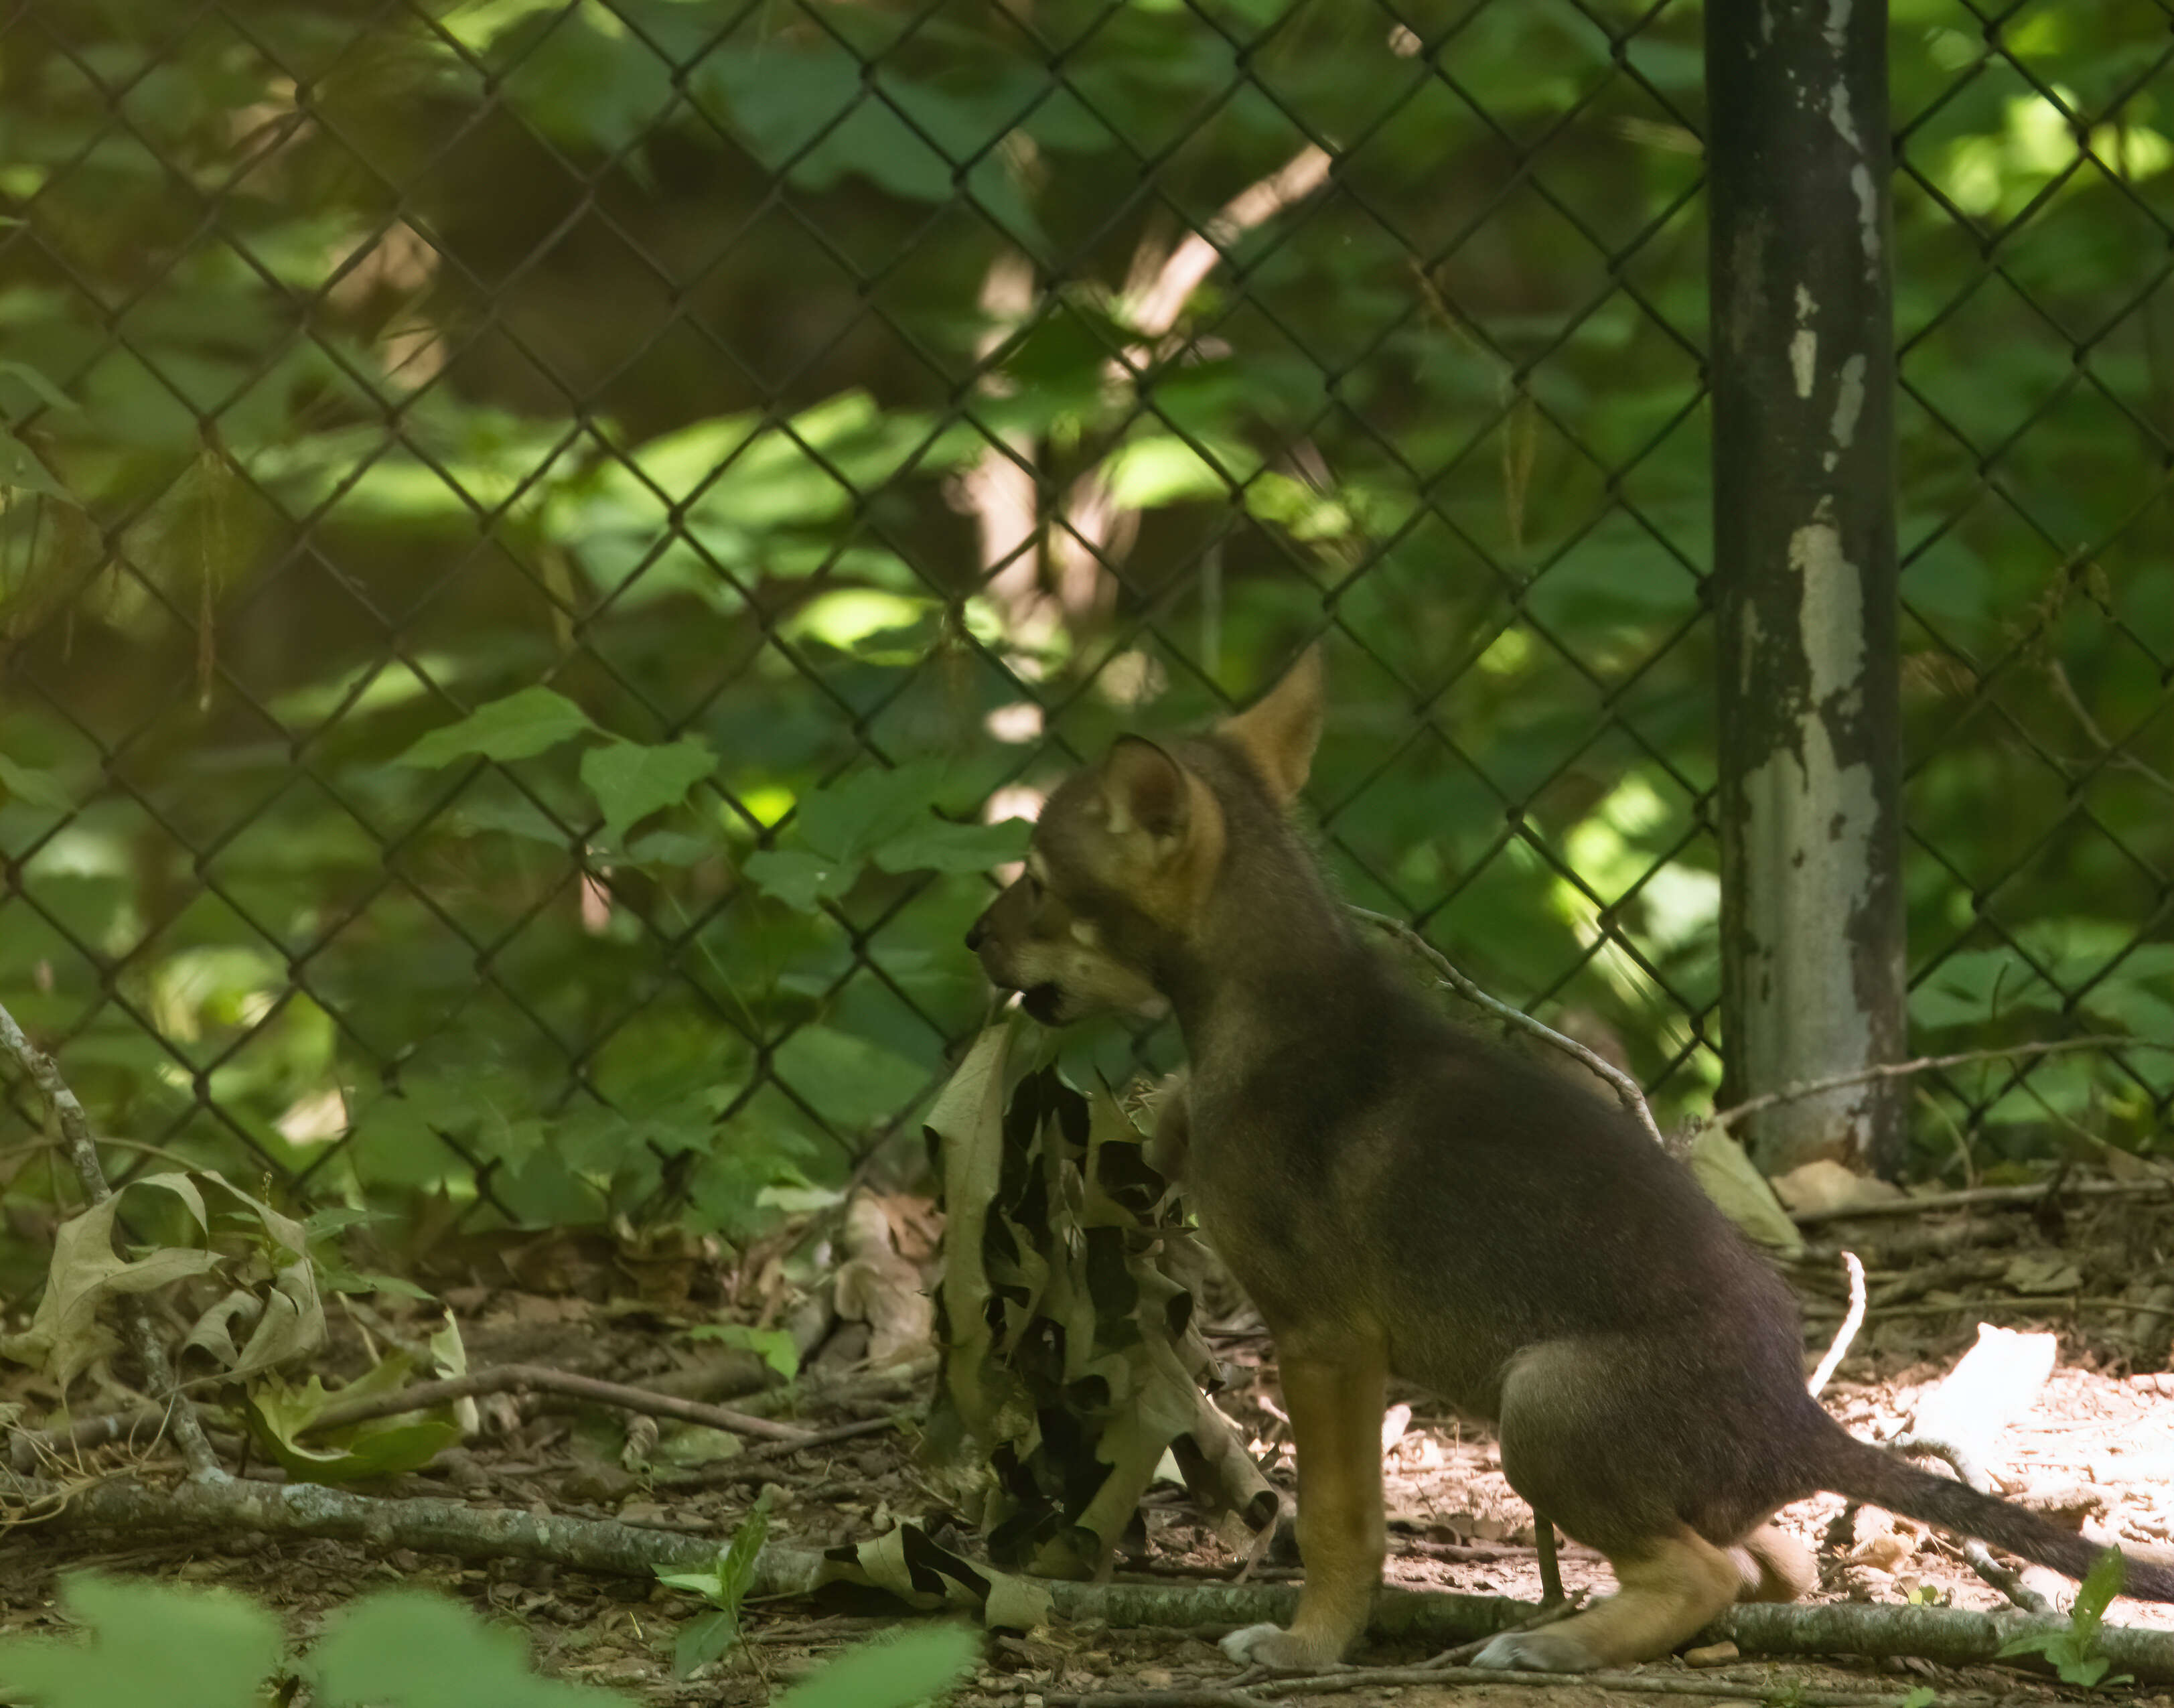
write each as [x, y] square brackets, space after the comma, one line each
[548, 542]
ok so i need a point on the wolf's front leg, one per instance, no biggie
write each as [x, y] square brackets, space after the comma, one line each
[1335, 1406]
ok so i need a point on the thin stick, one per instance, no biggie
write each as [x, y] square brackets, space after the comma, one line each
[514, 1377]
[134, 1311]
[1985, 1195]
[1626, 1088]
[1850, 1324]
[1727, 1118]
[1965, 1465]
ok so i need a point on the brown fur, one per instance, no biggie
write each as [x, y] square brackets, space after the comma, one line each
[1398, 1196]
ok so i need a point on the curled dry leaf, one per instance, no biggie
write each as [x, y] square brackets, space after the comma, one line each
[1059, 1302]
[274, 1294]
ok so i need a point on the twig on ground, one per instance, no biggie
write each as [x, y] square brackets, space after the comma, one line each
[507, 1378]
[2048, 1303]
[1964, 1464]
[1552, 1608]
[1850, 1324]
[1951, 1636]
[1726, 1118]
[135, 1313]
[1979, 1196]
[1626, 1088]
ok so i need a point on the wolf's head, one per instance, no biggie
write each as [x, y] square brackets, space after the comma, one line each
[1130, 855]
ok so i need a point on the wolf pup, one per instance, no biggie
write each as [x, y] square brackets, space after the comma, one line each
[1398, 1196]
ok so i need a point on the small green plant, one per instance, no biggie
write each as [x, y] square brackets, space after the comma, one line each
[1921, 1696]
[2074, 1649]
[724, 1586]
[214, 1648]
[773, 1346]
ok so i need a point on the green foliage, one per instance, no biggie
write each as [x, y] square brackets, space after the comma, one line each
[198, 1648]
[631, 350]
[2075, 1650]
[725, 1585]
[893, 1671]
[194, 1648]
[773, 1346]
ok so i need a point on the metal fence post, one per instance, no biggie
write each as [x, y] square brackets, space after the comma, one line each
[1804, 561]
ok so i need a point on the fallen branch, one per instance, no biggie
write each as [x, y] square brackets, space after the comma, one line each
[1850, 1324]
[514, 1378]
[135, 1313]
[1654, 1683]
[2048, 1304]
[1949, 1637]
[1977, 1196]
[1726, 1118]
[1626, 1088]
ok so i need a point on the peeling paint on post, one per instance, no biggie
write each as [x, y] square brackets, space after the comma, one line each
[1804, 570]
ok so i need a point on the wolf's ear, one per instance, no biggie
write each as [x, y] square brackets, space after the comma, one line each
[1143, 789]
[1279, 732]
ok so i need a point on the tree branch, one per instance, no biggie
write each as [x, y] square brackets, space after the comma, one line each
[1626, 1088]
[1727, 1118]
[1948, 1635]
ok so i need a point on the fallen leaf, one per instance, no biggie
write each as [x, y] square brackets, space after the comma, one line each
[1827, 1185]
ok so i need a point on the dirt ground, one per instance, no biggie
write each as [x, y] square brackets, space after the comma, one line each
[2098, 1445]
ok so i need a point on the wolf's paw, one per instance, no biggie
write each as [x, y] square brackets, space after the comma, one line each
[1287, 1652]
[1536, 1651]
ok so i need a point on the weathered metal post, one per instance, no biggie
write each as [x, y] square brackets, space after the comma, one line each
[1804, 567]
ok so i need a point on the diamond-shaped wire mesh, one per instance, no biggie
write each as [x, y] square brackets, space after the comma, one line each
[780, 418]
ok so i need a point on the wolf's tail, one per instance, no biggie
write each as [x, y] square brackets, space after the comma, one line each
[1865, 1473]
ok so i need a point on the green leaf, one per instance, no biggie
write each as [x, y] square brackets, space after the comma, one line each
[938, 845]
[856, 815]
[34, 788]
[2101, 1585]
[1921, 1696]
[736, 1567]
[21, 471]
[279, 1413]
[404, 1649]
[893, 1672]
[47, 392]
[773, 1346]
[799, 879]
[525, 723]
[180, 1648]
[631, 782]
[702, 1640]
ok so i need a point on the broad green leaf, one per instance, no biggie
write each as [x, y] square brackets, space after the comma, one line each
[525, 723]
[703, 1640]
[149, 1642]
[851, 1083]
[936, 846]
[799, 879]
[33, 788]
[631, 782]
[405, 1649]
[279, 1413]
[893, 1672]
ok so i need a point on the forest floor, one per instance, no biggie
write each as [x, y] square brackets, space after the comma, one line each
[2097, 1445]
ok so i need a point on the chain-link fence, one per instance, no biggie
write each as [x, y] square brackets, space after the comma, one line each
[518, 509]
